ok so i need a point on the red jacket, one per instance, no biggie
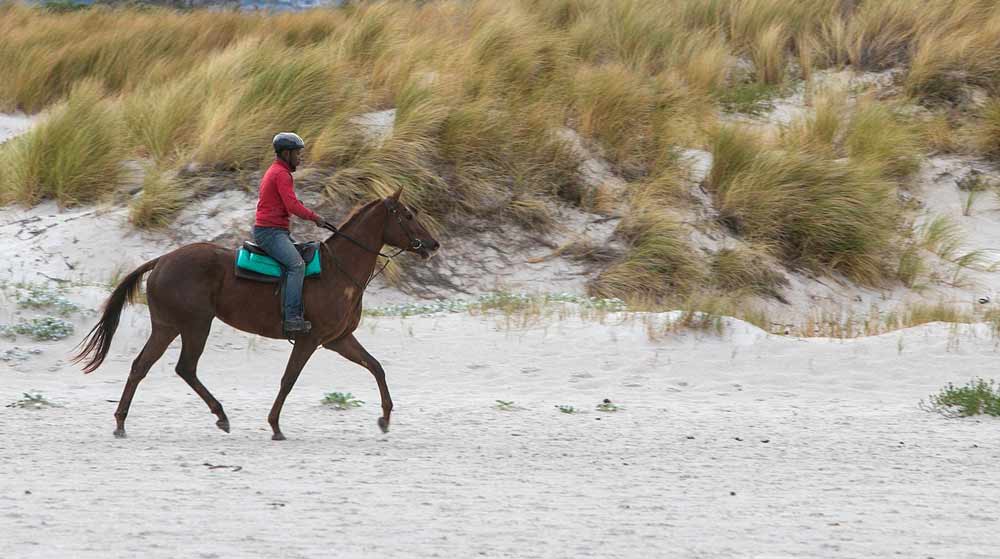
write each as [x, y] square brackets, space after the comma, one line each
[277, 198]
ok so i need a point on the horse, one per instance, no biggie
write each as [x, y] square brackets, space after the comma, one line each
[191, 286]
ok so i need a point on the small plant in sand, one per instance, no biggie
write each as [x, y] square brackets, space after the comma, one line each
[750, 98]
[33, 401]
[977, 397]
[46, 328]
[608, 406]
[506, 405]
[567, 409]
[42, 297]
[342, 401]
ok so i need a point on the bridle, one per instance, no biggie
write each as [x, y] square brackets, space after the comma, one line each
[415, 244]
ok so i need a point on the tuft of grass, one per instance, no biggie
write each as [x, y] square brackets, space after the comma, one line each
[747, 269]
[986, 131]
[922, 313]
[660, 262]
[977, 397]
[73, 156]
[820, 130]
[754, 98]
[948, 60]
[342, 400]
[161, 198]
[734, 149]
[616, 107]
[879, 139]
[817, 213]
[939, 134]
[769, 52]
[881, 33]
[563, 408]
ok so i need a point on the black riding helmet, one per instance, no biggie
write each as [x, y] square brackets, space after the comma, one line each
[287, 140]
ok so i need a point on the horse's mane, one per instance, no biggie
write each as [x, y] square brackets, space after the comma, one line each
[357, 212]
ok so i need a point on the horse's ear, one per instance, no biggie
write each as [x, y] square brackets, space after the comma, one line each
[395, 195]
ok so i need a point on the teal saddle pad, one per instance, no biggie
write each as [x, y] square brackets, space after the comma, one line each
[253, 263]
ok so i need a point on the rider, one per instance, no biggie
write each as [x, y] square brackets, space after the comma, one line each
[276, 201]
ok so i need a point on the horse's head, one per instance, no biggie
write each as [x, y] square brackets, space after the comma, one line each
[402, 230]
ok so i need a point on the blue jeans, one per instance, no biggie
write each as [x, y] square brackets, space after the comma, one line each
[277, 242]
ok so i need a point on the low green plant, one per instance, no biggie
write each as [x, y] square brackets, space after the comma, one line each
[608, 406]
[753, 99]
[46, 328]
[567, 409]
[499, 301]
[342, 401]
[33, 402]
[42, 297]
[977, 397]
[505, 405]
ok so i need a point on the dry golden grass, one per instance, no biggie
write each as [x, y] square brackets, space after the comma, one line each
[986, 130]
[160, 199]
[484, 92]
[660, 264]
[73, 156]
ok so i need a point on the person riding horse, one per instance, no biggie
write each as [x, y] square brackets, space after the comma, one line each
[276, 201]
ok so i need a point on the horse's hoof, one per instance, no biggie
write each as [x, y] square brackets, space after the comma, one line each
[383, 424]
[277, 437]
[223, 424]
[119, 433]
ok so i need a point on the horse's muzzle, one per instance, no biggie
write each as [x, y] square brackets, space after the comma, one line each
[425, 248]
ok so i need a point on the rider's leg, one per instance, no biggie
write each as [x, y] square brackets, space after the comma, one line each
[278, 245]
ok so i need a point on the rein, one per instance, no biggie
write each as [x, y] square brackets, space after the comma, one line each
[415, 244]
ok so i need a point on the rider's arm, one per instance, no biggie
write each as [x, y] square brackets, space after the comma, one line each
[291, 202]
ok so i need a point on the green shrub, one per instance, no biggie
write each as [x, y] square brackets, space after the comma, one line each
[47, 328]
[342, 401]
[975, 398]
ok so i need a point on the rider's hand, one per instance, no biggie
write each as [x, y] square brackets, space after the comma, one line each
[320, 221]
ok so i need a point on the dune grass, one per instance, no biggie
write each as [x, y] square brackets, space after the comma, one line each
[73, 156]
[986, 130]
[485, 94]
[161, 197]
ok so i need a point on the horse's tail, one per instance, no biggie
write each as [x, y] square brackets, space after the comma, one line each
[98, 341]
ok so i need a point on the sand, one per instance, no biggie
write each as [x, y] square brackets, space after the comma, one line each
[745, 445]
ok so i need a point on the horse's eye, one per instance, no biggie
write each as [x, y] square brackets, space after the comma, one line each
[409, 216]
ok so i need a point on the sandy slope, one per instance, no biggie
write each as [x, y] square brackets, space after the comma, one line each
[13, 124]
[850, 467]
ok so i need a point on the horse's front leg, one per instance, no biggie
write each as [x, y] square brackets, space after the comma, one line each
[301, 353]
[351, 349]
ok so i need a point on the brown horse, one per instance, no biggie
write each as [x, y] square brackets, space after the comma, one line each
[189, 287]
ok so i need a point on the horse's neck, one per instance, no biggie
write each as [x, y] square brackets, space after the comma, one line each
[367, 230]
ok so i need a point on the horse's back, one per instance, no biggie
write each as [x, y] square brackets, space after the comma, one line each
[189, 276]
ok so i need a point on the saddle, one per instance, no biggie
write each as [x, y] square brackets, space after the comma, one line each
[252, 263]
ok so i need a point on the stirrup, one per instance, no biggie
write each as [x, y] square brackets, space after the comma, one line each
[295, 327]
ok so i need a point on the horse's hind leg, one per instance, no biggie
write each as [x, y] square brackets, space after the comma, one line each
[157, 343]
[193, 344]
